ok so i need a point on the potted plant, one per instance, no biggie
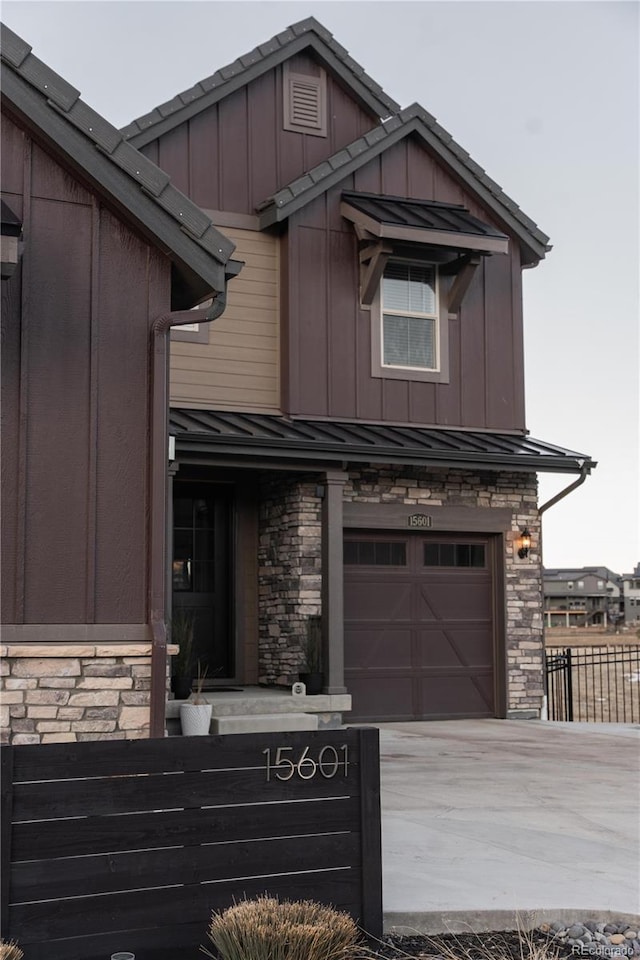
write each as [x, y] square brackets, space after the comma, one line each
[181, 630]
[195, 713]
[312, 677]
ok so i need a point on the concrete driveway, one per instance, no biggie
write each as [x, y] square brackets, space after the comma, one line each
[483, 819]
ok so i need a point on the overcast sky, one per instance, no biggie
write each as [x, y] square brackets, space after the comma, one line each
[544, 95]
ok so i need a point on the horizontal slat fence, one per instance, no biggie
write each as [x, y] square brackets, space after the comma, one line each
[129, 845]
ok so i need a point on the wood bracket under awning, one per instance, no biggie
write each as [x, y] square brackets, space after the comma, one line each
[466, 268]
[373, 255]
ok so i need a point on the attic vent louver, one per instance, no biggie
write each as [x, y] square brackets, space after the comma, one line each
[305, 103]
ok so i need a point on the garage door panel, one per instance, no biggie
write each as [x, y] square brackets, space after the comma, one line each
[378, 601]
[469, 648]
[382, 650]
[445, 697]
[384, 701]
[451, 600]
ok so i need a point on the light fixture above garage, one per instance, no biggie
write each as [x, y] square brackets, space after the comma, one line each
[525, 544]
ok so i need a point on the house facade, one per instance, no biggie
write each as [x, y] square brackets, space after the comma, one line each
[630, 583]
[582, 597]
[350, 436]
[101, 255]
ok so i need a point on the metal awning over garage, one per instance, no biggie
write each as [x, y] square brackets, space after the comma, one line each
[209, 434]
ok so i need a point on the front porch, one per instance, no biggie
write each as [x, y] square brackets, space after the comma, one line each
[253, 709]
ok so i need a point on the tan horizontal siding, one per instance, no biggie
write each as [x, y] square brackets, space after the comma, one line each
[239, 368]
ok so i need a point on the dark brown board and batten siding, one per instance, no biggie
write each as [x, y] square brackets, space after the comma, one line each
[75, 441]
[236, 154]
[326, 336]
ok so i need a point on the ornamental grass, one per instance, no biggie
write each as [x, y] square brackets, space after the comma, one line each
[270, 929]
[10, 951]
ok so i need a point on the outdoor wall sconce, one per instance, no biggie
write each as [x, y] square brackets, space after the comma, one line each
[525, 544]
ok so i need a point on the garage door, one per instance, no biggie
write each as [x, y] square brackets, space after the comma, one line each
[419, 627]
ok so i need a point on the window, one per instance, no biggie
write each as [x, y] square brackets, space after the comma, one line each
[375, 553]
[408, 340]
[454, 555]
[409, 316]
[193, 332]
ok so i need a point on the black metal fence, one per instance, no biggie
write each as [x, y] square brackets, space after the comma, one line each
[111, 846]
[594, 684]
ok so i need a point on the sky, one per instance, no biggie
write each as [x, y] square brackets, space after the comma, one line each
[544, 95]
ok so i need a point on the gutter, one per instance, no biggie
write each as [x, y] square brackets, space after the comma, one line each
[585, 469]
[159, 397]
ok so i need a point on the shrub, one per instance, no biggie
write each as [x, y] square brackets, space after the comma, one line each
[10, 951]
[269, 929]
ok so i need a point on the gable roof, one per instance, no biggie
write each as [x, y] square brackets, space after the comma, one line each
[138, 188]
[305, 34]
[417, 121]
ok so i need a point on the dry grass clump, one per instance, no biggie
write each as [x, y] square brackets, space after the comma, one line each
[270, 929]
[10, 950]
[528, 949]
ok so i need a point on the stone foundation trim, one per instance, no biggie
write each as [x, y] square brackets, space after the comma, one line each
[55, 692]
[54, 650]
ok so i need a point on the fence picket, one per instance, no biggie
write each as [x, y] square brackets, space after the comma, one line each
[577, 678]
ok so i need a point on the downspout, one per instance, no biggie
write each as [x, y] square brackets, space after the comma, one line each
[157, 533]
[584, 473]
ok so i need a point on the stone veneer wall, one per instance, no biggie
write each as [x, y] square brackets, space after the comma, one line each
[289, 573]
[523, 578]
[290, 564]
[54, 692]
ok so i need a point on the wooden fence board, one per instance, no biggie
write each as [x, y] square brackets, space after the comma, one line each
[134, 831]
[112, 758]
[59, 798]
[107, 873]
[169, 905]
[130, 845]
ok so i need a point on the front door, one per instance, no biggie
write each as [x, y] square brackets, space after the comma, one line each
[201, 572]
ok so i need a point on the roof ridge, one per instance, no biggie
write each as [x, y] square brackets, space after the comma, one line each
[249, 63]
[153, 182]
[411, 118]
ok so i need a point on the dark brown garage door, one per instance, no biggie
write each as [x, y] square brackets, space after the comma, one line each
[419, 637]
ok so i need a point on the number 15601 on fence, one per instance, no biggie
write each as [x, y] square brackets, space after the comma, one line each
[282, 763]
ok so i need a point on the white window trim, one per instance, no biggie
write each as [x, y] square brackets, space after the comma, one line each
[438, 374]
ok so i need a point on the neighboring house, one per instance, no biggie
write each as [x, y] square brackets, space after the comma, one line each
[630, 583]
[350, 437]
[582, 597]
[100, 255]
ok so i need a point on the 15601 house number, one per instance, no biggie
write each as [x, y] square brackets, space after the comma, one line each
[283, 764]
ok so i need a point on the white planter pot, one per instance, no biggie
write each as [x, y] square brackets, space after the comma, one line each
[195, 719]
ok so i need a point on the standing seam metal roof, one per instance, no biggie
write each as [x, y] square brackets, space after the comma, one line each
[264, 435]
[308, 32]
[414, 119]
[421, 214]
[153, 183]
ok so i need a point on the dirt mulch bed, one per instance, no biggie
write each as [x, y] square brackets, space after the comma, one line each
[470, 946]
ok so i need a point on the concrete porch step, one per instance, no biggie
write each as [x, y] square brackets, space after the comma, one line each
[263, 723]
[257, 700]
